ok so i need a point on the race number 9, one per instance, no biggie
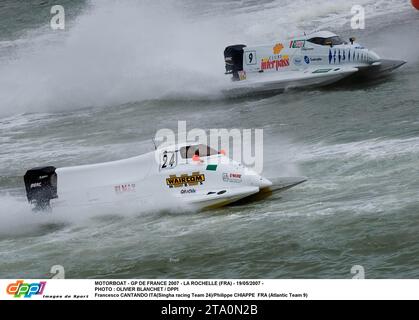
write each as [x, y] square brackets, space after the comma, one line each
[250, 57]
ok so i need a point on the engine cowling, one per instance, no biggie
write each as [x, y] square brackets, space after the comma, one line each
[233, 58]
[41, 186]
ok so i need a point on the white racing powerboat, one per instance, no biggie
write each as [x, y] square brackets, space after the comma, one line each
[195, 175]
[317, 59]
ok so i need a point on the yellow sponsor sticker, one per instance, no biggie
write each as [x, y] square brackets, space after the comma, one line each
[185, 180]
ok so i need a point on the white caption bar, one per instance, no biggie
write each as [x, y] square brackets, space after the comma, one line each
[19, 289]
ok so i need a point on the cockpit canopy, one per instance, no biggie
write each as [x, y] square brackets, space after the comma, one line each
[324, 38]
[329, 41]
[200, 150]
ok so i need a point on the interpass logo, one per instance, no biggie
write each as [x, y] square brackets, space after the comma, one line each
[27, 290]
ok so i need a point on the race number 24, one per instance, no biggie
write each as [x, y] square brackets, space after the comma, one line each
[168, 160]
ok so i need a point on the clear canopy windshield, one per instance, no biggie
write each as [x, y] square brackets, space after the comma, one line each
[200, 150]
[330, 41]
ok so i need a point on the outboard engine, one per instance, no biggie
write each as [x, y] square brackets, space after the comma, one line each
[233, 57]
[41, 186]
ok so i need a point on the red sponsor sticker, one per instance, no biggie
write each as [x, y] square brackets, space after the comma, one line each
[122, 188]
[280, 62]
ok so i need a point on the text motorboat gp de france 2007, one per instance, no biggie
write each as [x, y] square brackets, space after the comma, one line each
[317, 59]
[196, 175]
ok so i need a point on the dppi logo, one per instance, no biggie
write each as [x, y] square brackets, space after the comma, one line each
[27, 290]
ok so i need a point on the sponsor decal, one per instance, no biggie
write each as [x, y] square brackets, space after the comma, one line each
[36, 185]
[308, 59]
[294, 44]
[339, 55]
[122, 188]
[321, 70]
[187, 191]
[298, 60]
[232, 177]
[316, 59]
[275, 62]
[278, 48]
[27, 290]
[212, 167]
[185, 180]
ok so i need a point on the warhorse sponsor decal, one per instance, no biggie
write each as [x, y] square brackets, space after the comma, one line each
[185, 180]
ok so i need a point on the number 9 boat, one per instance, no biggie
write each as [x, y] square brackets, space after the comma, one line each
[317, 59]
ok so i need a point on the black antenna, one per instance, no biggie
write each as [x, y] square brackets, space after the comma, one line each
[154, 143]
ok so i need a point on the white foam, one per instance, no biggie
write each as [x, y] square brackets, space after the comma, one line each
[17, 217]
